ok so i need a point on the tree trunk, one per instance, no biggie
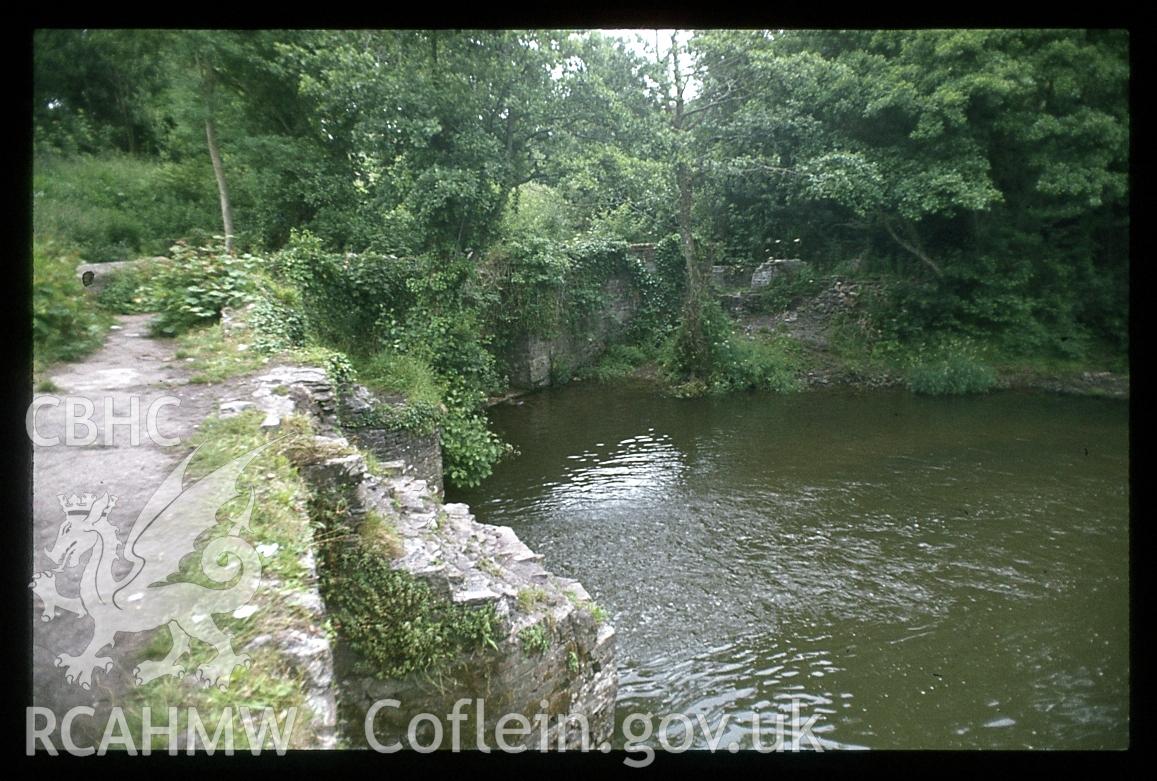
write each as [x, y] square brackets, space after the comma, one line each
[692, 343]
[208, 85]
[686, 200]
[222, 188]
[913, 245]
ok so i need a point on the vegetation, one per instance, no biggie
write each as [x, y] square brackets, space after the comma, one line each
[280, 526]
[425, 633]
[418, 202]
[535, 640]
[63, 326]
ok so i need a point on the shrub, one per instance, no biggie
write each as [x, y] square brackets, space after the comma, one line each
[129, 291]
[619, 361]
[699, 344]
[197, 285]
[276, 319]
[951, 368]
[342, 299]
[755, 364]
[469, 448]
[65, 323]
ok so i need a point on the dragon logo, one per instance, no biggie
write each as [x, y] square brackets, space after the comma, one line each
[145, 598]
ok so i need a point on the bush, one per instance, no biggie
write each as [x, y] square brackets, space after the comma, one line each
[756, 364]
[65, 323]
[950, 369]
[342, 299]
[129, 291]
[699, 344]
[197, 285]
[619, 361]
[469, 448]
[276, 319]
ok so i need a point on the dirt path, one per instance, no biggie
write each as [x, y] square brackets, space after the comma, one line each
[130, 366]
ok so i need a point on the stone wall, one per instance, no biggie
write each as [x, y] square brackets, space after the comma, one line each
[569, 672]
[94, 276]
[735, 287]
[537, 361]
[772, 268]
[413, 454]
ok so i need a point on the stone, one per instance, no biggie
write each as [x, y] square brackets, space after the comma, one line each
[462, 561]
[729, 277]
[772, 268]
[538, 362]
[228, 409]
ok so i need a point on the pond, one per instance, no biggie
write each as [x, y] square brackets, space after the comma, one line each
[901, 572]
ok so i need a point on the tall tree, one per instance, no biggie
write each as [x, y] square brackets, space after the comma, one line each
[949, 153]
[206, 67]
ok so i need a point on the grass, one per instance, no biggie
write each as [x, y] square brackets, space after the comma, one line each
[280, 527]
[215, 356]
[115, 207]
[596, 610]
[763, 362]
[399, 374]
[951, 375]
[381, 534]
[530, 598]
[619, 362]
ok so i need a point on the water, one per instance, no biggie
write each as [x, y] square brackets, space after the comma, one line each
[912, 572]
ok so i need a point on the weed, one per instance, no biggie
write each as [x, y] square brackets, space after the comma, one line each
[530, 598]
[535, 640]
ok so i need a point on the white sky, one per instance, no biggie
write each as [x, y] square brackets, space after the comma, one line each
[643, 42]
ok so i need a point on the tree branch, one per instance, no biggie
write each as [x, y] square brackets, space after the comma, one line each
[700, 109]
[913, 246]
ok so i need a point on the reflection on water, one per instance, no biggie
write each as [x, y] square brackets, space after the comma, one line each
[945, 573]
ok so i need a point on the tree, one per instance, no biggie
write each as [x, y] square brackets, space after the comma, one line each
[950, 154]
[96, 89]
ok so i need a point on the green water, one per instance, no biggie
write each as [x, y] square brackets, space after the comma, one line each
[912, 572]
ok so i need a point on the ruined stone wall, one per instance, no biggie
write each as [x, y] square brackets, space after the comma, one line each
[537, 361]
[411, 453]
[568, 670]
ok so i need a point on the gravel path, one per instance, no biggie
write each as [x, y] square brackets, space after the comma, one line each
[129, 366]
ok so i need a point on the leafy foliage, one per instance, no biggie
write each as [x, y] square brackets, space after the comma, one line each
[755, 364]
[128, 290]
[987, 169]
[115, 207]
[394, 621]
[441, 194]
[952, 368]
[198, 283]
[65, 325]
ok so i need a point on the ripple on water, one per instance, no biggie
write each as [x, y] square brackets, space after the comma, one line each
[888, 564]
